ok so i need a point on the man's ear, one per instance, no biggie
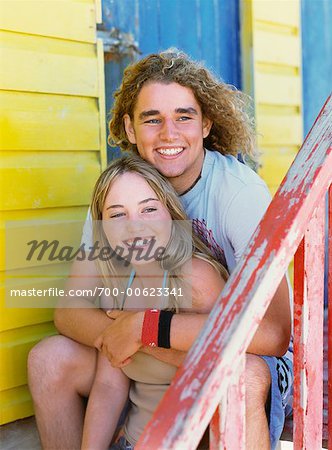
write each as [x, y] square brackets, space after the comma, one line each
[207, 124]
[129, 129]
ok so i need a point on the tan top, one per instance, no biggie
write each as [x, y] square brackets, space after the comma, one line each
[151, 379]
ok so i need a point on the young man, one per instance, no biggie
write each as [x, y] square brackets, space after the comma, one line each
[177, 116]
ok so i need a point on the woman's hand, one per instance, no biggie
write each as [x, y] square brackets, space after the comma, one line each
[122, 339]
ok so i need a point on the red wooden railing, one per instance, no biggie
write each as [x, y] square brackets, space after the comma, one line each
[211, 377]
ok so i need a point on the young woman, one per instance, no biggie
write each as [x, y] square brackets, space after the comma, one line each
[155, 264]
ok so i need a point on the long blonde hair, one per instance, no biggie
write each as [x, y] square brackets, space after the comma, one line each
[182, 245]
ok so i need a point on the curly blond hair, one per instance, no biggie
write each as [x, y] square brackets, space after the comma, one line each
[232, 131]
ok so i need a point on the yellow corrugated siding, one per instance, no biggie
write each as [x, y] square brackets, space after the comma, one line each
[272, 75]
[52, 18]
[53, 146]
[31, 121]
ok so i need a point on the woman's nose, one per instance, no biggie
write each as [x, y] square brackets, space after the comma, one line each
[134, 226]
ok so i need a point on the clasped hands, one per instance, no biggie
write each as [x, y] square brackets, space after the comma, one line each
[122, 338]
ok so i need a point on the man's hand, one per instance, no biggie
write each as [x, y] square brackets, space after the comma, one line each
[122, 338]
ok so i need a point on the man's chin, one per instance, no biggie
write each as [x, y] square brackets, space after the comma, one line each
[169, 172]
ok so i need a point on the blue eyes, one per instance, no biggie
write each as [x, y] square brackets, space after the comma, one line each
[152, 121]
[157, 121]
[150, 209]
[114, 216]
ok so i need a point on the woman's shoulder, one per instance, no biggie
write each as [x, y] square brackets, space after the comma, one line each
[206, 282]
[204, 272]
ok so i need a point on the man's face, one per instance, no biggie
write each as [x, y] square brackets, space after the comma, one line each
[168, 129]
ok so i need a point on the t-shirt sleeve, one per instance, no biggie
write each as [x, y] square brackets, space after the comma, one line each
[87, 236]
[244, 214]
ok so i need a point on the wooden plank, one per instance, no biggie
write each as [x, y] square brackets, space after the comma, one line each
[308, 334]
[61, 19]
[279, 129]
[287, 434]
[188, 36]
[214, 429]
[148, 33]
[54, 65]
[275, 164]
[66, 233]
[270, 47]
[14, 348]
[15, 404]
[16, 312]
[227, 428]
[189, 404]
[53, 104]
[18, 317]
[98, 6]
[277, 89]
[46, 180]
[229, 41]
[71, 213]
[54, 214]
[272, 12]
[330, 319]
[275, 77]
[209, 33]
[102, 105]
[31, 121]
[126, 18]
[168, 25]
[247, 56]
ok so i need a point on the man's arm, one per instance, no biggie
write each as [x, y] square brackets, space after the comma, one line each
[271, 338]
[244, 213]
[166, 355]
[123, 339]
[273, 334]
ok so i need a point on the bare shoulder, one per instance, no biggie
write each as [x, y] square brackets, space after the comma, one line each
[206, 282]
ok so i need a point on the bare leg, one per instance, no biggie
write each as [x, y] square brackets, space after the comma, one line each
[258, 381]
[107, 399]
[61, 372]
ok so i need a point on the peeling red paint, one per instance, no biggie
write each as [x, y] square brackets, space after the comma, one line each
[227, 427]
[330, 321]
[180, 421]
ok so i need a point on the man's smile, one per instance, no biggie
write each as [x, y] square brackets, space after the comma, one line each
[169, 151]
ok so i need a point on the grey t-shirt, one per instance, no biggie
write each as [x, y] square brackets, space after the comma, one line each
[226, 205]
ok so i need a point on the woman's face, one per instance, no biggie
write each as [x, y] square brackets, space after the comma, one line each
[137, 225]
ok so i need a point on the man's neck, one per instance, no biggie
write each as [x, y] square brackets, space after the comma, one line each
[185, 182]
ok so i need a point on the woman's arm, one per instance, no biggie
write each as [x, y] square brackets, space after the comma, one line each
[107, 399]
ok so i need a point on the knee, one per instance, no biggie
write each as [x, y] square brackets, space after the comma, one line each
[257, 382]
[49, 361]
